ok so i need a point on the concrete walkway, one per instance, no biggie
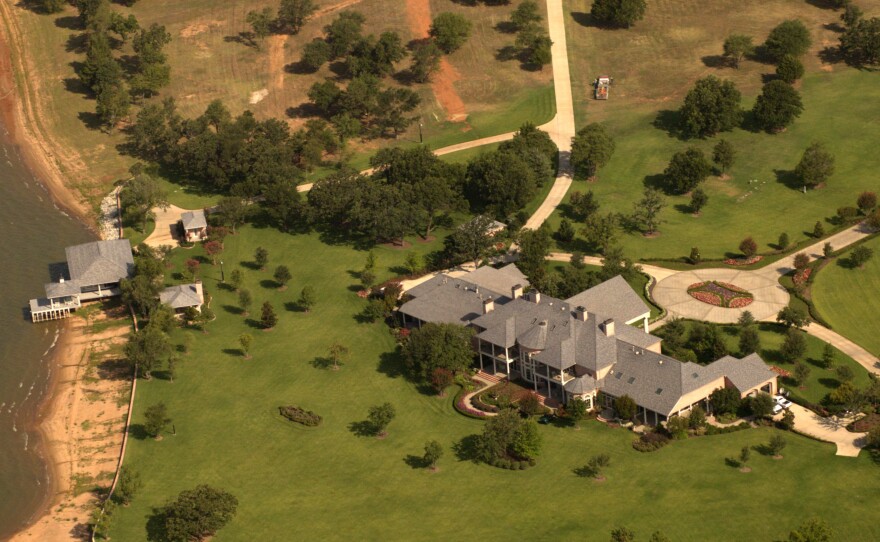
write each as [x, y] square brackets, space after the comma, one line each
[166, 227]
[866, 359]
[561, 129]
[831, 429]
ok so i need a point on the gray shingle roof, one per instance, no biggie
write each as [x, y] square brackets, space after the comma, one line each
[193, 220]
[182, 296]
[62, 289]
[613, 298]
[745, 374]
[654, 381]
[498, 280]
[581, 384]
[447, 300]
[100, 262]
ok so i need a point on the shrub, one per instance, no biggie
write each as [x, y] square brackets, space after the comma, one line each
[695, 256]
[649, 442]
[677, 427]
[866, 202]
[748, 247]
[818, 229]
[846, 214]
[788, 38]
[529, 404]
[300, 415]
[790, 69]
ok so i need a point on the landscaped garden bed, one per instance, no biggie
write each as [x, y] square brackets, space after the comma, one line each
[737, 262]
[720, 294]
[865, 424]
[300, 415]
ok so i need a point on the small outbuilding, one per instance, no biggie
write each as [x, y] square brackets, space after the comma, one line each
[183, 296]
[195, 226]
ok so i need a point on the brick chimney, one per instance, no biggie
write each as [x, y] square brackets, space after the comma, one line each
[516, 292]
[488, 305]
[608, 327]
[581, 314]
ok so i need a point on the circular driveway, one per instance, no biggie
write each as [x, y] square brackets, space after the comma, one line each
[770, 296]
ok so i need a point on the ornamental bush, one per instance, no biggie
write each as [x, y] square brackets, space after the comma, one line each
[300, 415]
[650, 442]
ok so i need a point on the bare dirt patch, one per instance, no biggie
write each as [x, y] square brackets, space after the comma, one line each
[276, 62]
[198, 27]
[257, 96]
[336, 7]
[418, 13]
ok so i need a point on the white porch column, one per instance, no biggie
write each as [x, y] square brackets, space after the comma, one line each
[494, 365]
[480, 349]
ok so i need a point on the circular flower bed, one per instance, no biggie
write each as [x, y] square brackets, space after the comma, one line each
[720, 294]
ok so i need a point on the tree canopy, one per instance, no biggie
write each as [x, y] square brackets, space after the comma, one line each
[686, 171]
[712, 106]
[591, 149]
[619, 13]
[432, 346]
[777, 106]
[450, 31]
[198, 513]
[788, 38]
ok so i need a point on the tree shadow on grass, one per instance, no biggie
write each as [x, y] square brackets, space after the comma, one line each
[81, 531]
[831, 55]
[763, 449]
[155, 526]
[830, 383]
[270, 284]
[299, 68]
[253, 266]
[731, 462]
[683, 208]
[138, 431]
[656, 181]
[669, 121]
[584, 19]
[114, 369]
[716, 61]
[834, 27]
[416, 462]
[466, 448]
[584, 472]
[322, 362]
[232, 309]
[506, 53]
[391, 364]
[235, 352]
[253, 324]
[362, 429]
[788, 178]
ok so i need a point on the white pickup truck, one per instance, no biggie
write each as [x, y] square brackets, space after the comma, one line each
[781, 404]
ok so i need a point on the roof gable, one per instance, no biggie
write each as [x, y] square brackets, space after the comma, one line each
[100, 262]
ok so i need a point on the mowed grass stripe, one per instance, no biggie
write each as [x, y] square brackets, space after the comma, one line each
[848, 298]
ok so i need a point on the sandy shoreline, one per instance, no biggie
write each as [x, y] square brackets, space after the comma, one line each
[62, 515]
[20, 117]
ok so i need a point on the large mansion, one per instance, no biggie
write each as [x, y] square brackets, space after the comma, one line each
[596, 341]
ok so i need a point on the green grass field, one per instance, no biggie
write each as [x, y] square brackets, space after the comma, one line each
[847, 298]
[656, 62]
[328, 483]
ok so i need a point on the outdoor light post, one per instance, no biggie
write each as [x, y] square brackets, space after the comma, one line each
[421, 140]
[222, 274]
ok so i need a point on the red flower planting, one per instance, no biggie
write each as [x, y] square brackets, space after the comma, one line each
[720, 294]
[743, 261]
[802, 276]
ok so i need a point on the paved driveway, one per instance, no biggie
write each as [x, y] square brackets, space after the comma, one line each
[831, 429]
[671, 294]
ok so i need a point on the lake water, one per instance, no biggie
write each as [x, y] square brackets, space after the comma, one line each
[33, 234]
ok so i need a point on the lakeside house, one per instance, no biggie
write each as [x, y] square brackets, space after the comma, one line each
[594, 346]
[94, 271]
[183, 296]
[195, 226]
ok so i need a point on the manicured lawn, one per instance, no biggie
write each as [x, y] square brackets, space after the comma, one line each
[656, 62]
[328, 483]
[136, 237]
[820, 382]
[847, 298]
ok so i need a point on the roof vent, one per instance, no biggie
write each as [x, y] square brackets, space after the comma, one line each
[659, 391]
[660, 362]
[696, 375]
[631, 379]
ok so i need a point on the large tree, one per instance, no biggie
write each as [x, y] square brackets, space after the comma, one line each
[146, 349]
[738, 46]
[619, 13]
[198, 513]
[860, 44]
[450, 31]
[712, 106]
[140, 196]
[686, 171]
[293, 14]
[471, 241]
[591, 149]
[426, 56]
[647, 210]
[788, 38]
[343, 32]
[433, 346]
[777, 106]
[508, 436]
[534, 246]
[502, 182]
[816, 165]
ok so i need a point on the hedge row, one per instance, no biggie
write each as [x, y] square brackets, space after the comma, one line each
[512, 464]
[299, 415]
[650, 442]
